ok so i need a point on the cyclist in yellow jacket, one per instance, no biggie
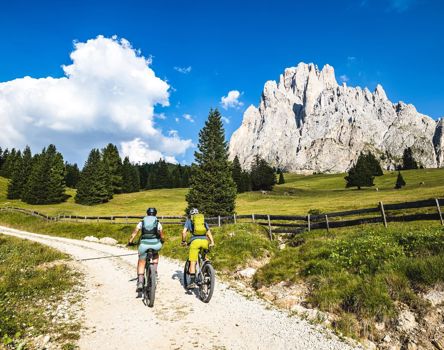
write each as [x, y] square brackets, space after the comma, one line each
[201, 237]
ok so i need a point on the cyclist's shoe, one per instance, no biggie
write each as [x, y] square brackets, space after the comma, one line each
[192, 285]
[139, 286]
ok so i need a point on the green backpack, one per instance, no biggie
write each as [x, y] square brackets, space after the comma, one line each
[149, 228]
[198, 221]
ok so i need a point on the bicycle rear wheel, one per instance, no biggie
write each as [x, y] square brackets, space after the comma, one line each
[206, 288]
[150, 287]
[186, 275]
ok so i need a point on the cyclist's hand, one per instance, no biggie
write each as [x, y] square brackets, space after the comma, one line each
[129, 244]
[211, 245]
[183, 243]
[162, 241]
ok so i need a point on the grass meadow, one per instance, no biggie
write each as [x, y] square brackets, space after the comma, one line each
[324, 192]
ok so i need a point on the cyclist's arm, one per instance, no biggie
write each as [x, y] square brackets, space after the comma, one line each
[162, 235]
[184, 234]
[210, 236]
[133, 235]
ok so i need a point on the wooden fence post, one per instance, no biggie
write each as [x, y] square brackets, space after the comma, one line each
[384, 219]
[269, 228]
[218, 220]
[439, 211]
[308, 222]
[126, 220]
[327, 224]
[252, 216]
[234, 218]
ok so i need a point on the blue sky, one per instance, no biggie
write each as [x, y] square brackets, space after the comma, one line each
[202, 50]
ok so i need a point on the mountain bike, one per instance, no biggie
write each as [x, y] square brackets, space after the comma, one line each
[149, 284]
[205, 276]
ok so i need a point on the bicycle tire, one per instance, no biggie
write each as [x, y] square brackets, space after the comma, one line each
[186, 275]
[206, 289]
[151, 286]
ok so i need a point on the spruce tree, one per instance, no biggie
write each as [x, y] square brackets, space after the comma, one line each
[373, 164]
[56, 173]
[408, 160]
[212, 189]
[130, 177]
[360, 175]
[281, 180]
[20, 175]
[72, 175]
[113, 163]
[9, 163]
[399, 181]
[262, 175]
[236, 173]
[93, 185]
[15, 185]
[176, 176]
[245, 181]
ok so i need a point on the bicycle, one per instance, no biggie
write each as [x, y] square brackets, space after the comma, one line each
[205, 276]
[149, 284]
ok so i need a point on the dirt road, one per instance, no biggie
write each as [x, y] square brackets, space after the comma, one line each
[116, 319]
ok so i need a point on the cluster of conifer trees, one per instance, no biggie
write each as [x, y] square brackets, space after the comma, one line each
[363, 173]
[261, 176]
[38, 179]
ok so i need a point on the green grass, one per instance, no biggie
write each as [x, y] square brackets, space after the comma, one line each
[26, 288]
[297, 196]
[362, 272]
[236, 245]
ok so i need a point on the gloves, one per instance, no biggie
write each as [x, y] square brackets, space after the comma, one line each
[162, 241]
[183, 244]
[129, 244]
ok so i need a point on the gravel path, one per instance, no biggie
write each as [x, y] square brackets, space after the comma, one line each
[116, 319]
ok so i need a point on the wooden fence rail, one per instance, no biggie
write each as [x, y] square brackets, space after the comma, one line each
[284, 224]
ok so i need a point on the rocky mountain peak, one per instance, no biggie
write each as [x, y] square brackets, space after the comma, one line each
[306, 122]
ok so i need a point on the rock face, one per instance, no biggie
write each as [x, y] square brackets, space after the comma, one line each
[308, 123]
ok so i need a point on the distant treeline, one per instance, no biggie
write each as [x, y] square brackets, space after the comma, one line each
[41, 178]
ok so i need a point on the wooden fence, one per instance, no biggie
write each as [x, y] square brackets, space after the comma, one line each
[287, 224]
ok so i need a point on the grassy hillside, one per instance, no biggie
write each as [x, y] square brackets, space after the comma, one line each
[298, 195]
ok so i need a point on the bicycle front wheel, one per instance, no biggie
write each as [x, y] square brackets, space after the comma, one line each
[150, 289]
[208, 280]
[186, 275]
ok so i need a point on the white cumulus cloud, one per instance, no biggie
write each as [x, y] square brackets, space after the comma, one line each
[139, 151]
[344, 78]
[231, 100]
[107, 94]
[183, 70]
[188, 117]
[225, 120]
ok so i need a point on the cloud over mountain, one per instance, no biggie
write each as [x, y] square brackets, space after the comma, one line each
[107, 94]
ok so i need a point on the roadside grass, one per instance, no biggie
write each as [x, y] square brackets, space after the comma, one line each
[235, 244]
[300, 193]
[361, 272]
[27, 287]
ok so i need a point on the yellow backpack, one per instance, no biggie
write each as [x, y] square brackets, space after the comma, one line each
[198, 221]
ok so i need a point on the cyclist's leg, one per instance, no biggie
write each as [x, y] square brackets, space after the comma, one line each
[195, 246]
[141, 265]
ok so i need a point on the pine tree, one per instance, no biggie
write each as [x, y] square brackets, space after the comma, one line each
[15, 185]
[373, 165]
[281, 178]
[94, 182]
[408, 160]
[399, 181]
[72, 175]
[56, 173]
[176, 176]
[130, 176]
[3, 159]
[236, 173]
[245, 181]
[8, 163]
[20, 175]
[212, 189]
[262, 175]
[113, 162]
[360, 175]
